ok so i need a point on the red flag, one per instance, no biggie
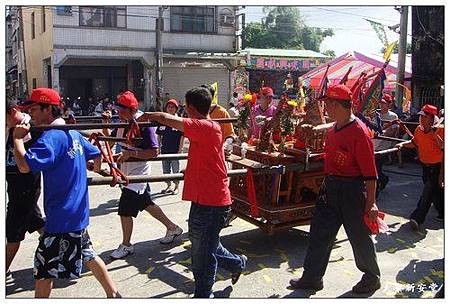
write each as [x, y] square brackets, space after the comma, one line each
[345, 78]
[323, 84]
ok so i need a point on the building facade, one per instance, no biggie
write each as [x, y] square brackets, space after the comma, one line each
[97, 51]
[428, 55]
[16, 84]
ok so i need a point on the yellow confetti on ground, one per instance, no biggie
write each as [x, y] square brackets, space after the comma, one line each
[87, 274]
[245, 242]
[421, 281]
[246, 272]
[187, 261]
[261, 265]
[284, 257]
[428, 279]
[400, 240]
[392, 250]
[267, 278]
[220, 277]
[296, 272]
[186, 244]
[348, 272]
[439, 274]
[427, 294]
[402, 282]
[421, 233]
[149, 270]
[414, 255]
[188, 281]
[240, 249]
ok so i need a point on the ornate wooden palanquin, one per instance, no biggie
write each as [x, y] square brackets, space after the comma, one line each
[284, 200]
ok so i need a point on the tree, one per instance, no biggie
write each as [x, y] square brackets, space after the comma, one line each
[330, 53]
[283, 28]
[395, 50]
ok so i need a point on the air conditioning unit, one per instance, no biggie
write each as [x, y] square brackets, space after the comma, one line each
[227, 20]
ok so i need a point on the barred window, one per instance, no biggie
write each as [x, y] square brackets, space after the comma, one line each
[193, 19]
[103, 16]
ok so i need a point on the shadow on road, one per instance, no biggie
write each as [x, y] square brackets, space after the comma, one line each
[24, 281]
[263, 252]
[419, 277]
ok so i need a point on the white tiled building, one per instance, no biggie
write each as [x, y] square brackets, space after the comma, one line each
[102, 50]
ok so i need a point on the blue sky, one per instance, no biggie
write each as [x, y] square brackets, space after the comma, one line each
[351, 31]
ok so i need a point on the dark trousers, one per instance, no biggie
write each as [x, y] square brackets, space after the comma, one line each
[207, 253]
[342, 202]
[382, 178]
[432, 194]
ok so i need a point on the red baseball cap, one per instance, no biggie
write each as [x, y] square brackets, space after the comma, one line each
[387, 98]
[172, 101]
[43, 96]
[266, 91]
[428, 109]
[128, 100]
[338, 92]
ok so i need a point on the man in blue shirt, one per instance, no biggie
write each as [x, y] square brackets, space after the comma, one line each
[61, 157]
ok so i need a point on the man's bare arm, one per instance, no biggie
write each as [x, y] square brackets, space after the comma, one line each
[166, 119]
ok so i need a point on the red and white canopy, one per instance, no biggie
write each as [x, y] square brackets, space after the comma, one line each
[359, 63]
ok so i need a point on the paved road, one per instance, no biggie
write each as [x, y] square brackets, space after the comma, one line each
[163, 271]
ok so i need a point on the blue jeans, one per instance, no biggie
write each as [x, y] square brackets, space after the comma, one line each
[207, 253]
[171, 166]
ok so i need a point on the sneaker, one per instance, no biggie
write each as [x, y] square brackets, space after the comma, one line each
[439, 218]
[365, 286]
[304, 284]
[235, 276]
[414, 225]
[122, 251]
[171, 235]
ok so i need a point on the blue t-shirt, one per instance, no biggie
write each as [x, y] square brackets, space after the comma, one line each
[170, 139]
[62, 156]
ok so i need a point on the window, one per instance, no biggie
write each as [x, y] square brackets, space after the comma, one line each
[33, 33]
[64, 10]
[34, 83]
[193, 19]
[43, 19]
[103, 16]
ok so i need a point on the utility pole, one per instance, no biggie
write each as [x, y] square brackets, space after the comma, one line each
[401, 55]
[159, 58]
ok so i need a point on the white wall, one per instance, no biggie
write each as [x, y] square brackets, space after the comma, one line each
[143, 19]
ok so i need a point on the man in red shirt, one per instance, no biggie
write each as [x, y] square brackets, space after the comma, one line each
[206, 186]
[347, 194]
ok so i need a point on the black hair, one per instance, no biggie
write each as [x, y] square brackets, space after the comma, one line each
[235, 94]
[347, 104]
[57, 111]
[200, 98]
[209, 87]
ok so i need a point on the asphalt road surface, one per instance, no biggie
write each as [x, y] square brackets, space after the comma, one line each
[412, 263]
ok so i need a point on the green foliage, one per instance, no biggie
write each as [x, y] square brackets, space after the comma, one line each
[330, 53]
[283, 28]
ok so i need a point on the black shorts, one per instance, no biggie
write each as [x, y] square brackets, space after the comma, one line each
[131, 202]
[61, 255]
[22, 215]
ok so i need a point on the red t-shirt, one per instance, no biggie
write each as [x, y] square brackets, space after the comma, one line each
[349, 151]
[205, 178]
